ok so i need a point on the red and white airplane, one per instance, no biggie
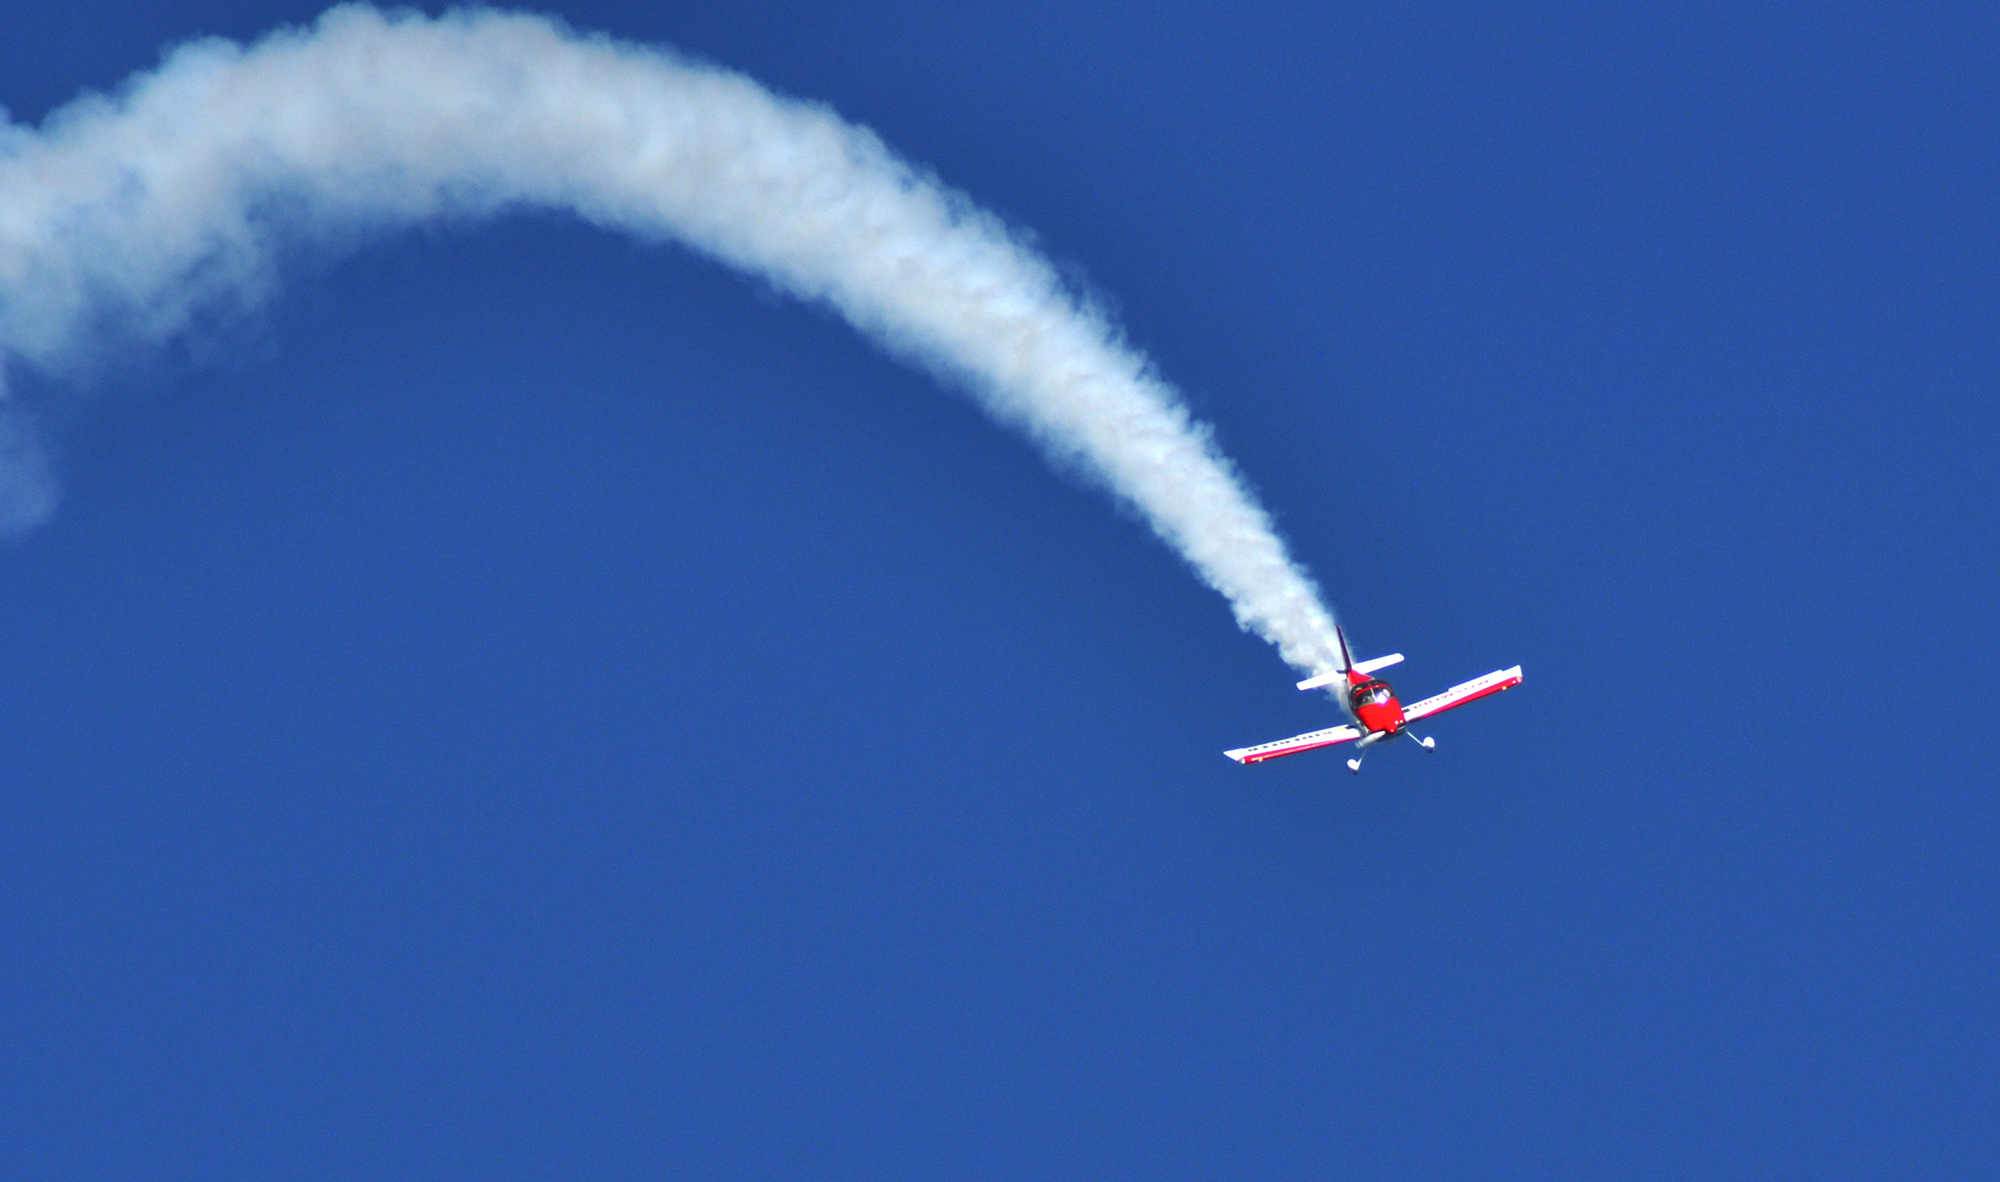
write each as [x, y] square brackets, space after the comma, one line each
[1373, 706]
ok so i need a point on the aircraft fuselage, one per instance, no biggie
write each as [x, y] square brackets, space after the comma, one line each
[1374, 704]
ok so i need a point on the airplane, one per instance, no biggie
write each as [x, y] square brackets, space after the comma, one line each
[1373, 706]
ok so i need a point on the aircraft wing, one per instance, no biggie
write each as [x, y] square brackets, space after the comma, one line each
[1459, 695]
[1294, 745]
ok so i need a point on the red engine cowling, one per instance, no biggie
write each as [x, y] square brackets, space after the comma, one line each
[1375, 705]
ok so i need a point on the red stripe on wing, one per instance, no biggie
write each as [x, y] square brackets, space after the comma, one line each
[1471, 691]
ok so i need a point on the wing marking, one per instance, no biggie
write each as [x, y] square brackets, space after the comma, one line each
[1459, 695]
[1295, 744]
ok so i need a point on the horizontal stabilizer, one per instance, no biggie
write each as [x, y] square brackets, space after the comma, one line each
[1295, 744]
[1313, 683]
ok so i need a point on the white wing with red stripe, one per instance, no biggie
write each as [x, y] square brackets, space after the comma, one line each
[1459, 695]
[1294, 745]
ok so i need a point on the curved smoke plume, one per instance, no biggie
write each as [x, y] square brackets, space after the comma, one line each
[130, 213]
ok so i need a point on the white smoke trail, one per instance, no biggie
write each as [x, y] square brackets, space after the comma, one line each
[130, 214]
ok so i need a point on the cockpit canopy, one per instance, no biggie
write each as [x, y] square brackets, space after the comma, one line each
[1370, 693]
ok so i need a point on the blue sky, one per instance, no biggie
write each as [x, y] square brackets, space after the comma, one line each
[530, 704]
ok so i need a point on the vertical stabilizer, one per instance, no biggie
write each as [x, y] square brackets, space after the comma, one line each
[1347, 667]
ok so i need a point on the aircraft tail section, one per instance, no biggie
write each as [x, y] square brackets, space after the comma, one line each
[1347, 662]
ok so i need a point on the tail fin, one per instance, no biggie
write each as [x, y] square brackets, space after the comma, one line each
[1348, 662]
[1340, 674]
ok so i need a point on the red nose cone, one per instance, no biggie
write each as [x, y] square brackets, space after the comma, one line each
[1387, 716]
[1375, 705]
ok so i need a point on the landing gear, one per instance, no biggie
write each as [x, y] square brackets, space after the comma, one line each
[1361, 749]
[1373, 737]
